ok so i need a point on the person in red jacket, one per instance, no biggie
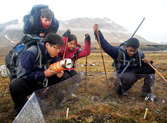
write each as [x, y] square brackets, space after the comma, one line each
[72, 50]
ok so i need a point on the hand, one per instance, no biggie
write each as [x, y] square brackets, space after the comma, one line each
[67, 33]
[95, 28]
[146, 60]
[60, 74]
[42, 34]
[48, 72]
[87, 37]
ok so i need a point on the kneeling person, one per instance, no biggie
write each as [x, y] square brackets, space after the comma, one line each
[129, 56]
[30, 77]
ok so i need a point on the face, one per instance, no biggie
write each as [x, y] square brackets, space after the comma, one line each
[71, 45]
[53, 50]
[46, 21]
[131, 51]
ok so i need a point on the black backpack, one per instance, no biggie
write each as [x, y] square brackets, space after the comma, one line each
[35, 9]
[11, 59]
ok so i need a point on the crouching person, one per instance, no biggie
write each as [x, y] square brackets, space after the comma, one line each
[130, 64]
[72, 50]
[33, 74]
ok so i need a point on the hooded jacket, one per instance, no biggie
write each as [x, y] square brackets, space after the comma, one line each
[28, 69]
[34, 26]
[113, 52]
[71, 53]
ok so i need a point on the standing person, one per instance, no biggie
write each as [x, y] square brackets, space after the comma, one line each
[41, 23]
[72, 50]
[137, 69]
[32, 76]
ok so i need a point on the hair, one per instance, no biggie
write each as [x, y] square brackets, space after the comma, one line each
[47, 13]
[133, 42]
[54, 39]
[72, 37]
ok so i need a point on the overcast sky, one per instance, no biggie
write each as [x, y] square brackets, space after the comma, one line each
[127, 13]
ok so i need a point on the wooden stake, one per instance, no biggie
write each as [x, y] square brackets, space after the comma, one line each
[145, 113]
[67, 113]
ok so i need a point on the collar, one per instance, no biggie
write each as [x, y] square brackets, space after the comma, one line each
[45, 26]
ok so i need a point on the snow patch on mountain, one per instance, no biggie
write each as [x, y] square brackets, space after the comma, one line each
[9, 39]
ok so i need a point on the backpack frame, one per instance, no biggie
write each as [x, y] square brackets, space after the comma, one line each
[35, 9]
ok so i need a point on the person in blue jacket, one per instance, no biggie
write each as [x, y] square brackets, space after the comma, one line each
[35, 74]
[131, 57]
[41, 23]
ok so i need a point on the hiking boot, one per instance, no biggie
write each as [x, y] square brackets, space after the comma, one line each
[14, 113]
[118, 88]
[124, 93]
[148, 96]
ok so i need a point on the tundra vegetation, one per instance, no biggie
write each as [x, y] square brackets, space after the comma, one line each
[93, 104]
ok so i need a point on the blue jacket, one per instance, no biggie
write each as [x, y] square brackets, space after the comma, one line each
[34, 26]
[28, 69]
[114, 52]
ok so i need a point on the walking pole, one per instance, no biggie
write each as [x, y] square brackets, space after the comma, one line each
[66, 44]
[65, 49]
[86, 67]
[138, 27]
[157, 71]
[103, 61]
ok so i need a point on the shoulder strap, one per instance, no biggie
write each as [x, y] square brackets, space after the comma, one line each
[39, 56]
[139, 57]
[121, 55]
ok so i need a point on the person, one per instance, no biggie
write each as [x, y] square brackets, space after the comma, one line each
[134, 60]
[30, 76]
[41, 23]
[72, 50]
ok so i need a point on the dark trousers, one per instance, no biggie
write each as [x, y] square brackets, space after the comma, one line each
[69, 73]
[21, 88]
[146, 72]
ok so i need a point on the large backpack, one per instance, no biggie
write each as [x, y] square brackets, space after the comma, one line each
[35, 9]
[11, 60]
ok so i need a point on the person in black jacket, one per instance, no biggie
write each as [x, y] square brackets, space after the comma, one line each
[32, 76]
[41, 23]
[136, 63]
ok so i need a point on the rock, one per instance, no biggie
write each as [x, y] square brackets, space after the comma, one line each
[3, 71]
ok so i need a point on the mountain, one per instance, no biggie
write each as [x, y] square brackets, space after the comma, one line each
[11, 32]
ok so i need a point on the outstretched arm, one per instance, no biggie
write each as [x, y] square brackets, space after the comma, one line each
[108, 48]
[87, 48]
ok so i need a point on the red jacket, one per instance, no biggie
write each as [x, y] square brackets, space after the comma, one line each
[70, 53]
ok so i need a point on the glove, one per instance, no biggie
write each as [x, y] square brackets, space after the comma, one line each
[67, 33]
[95, 28]
[87, 37]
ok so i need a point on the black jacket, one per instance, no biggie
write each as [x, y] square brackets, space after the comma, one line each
[33, 25]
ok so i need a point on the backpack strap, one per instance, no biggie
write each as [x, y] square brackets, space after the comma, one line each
[122, 59]
[75, 57]
[39, 56]
[139, 55]
[117, 62]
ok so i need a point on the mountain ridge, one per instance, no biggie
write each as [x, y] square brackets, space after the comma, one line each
[11, 32]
